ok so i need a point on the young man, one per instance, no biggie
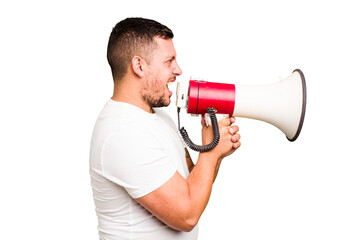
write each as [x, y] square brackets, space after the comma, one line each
[144, 182]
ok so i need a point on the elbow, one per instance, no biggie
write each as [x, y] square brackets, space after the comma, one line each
[183, 224]
[180, 222]
[189, 224]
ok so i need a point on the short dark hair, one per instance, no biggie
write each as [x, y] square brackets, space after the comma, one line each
[131, 37]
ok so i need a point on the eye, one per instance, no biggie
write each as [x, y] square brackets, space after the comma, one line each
[170, 60]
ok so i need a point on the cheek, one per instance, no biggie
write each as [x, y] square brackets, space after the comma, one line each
[159, 77]
[159, 81]
[154, 76]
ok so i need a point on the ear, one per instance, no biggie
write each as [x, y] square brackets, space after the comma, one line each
[138, 66]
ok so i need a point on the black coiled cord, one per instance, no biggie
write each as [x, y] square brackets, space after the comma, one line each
[215, 127]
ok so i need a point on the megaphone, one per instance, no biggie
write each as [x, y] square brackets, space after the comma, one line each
[281, 104]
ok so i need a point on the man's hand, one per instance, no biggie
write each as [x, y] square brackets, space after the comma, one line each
[229, 137]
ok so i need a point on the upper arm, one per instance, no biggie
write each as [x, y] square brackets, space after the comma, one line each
[189, 161]
[171, 203]
[138, 171]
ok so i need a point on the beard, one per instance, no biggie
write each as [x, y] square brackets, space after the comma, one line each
[153, 92]
[154, 102]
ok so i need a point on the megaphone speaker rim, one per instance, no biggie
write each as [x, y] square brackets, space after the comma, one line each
[303, 106]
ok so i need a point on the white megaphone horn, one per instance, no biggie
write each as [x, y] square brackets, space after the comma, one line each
[281, 104]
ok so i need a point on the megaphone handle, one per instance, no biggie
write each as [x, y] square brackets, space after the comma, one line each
[211, 145]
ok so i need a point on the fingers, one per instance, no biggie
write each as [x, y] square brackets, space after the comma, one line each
[227, 121]
[236, 145]
[233, 129]
[235, 138]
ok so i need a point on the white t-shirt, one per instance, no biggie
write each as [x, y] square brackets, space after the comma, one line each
[133, 152]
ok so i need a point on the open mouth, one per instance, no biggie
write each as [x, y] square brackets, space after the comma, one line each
[170, 86]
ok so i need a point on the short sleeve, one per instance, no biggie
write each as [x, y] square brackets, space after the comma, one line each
[136, 161]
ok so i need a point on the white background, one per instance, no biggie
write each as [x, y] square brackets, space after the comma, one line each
[55, 79]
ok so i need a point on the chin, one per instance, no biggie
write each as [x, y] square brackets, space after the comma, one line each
[165, 100]
[166, 104]
[160, 103]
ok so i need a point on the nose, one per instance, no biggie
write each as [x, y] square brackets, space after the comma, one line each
[177, 70]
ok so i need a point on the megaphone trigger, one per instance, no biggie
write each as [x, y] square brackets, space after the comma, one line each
[218, 116]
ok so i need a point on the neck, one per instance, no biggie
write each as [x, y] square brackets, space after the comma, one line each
[131, 95]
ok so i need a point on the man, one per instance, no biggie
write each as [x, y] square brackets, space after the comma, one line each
[144, 182]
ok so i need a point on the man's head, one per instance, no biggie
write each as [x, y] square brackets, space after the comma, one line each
[131, 37]
[141, 53]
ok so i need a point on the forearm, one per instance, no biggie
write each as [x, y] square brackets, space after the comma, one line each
[217, 168]
[200, 183]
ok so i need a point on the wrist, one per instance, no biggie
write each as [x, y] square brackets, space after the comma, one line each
[208, 156]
